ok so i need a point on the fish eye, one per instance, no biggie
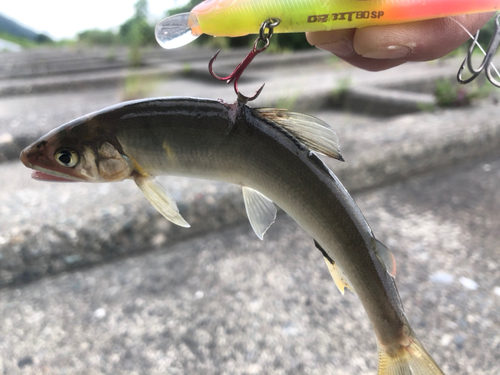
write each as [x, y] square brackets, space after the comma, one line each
[66, 157]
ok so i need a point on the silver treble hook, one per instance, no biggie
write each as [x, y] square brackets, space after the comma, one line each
[486, 65]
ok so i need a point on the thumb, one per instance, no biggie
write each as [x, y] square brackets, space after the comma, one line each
[381, 47]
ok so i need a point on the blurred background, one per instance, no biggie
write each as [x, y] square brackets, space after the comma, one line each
[94, 281]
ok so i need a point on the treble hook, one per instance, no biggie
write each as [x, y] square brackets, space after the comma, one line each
[238, 71]
[486, 64]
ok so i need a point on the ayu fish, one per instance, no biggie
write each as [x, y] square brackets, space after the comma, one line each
[272, 154]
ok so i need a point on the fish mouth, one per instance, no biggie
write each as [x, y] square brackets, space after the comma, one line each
[43, 174]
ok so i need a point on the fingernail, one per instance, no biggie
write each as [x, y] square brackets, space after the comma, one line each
[341, 48]
[389, 52]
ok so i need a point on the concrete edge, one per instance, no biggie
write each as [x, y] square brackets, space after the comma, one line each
[138, 231]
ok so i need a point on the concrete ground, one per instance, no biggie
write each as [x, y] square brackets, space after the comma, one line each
[95, 281]
[229, 303]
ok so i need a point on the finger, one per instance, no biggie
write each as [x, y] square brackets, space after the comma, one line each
[381, 47]
[417, 41]
[340, 43]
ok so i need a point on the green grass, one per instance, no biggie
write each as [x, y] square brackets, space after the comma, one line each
[288, 102]
[137, 86]
[453, 94]
[341, 86]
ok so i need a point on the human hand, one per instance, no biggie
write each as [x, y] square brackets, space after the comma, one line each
[376, 48]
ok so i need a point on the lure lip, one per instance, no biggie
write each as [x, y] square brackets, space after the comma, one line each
[177, 30]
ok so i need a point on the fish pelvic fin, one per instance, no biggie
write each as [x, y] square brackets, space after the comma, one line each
[156, 194]
[312, 132]
[411, 359]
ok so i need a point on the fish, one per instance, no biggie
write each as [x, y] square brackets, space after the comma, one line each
[274, 154]
[234, 18]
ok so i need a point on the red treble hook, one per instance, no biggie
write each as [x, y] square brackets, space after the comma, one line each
[238, 71]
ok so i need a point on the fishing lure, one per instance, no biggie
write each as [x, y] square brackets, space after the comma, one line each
[242, 17]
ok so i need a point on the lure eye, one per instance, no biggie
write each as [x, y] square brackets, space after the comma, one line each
[65, 157]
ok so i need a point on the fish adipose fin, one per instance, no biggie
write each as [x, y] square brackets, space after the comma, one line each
[386, 257]
[338, 275]
[161, 200]
[261, 211]
[411, 359]
[312, 132]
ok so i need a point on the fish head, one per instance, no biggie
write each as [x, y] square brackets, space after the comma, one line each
[82, 150]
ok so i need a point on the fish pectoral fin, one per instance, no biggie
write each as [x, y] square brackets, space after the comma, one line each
[156, 194]
[312, 132]
[261, 210]
[338, 276]
[386, 257]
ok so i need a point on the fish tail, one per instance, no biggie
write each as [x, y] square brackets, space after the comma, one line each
[411, 359]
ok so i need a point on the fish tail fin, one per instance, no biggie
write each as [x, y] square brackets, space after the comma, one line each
[412, 359]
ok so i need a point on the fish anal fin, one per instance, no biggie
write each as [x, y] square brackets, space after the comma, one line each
[156, 194]
[386, 257]
[338, 275]
[261, 211]
[312, 132]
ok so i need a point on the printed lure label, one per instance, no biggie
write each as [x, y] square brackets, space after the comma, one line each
[344, 16]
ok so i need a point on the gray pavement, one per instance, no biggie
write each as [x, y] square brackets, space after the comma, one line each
[144, 296]
[228, 303]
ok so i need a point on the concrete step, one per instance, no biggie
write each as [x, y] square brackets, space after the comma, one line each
[39, 63]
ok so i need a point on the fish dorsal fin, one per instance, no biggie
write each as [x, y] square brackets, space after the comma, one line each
[261, 211]
[312, 132]
[386, 257]
[338, 275]
[161, 200]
